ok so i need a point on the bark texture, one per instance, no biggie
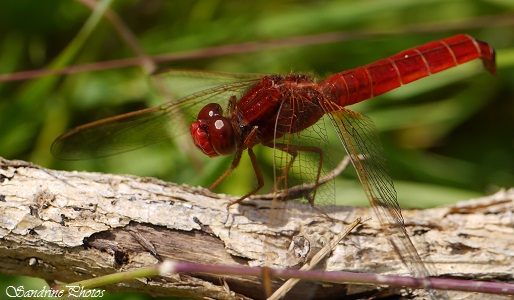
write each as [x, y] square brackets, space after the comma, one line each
[71, 226]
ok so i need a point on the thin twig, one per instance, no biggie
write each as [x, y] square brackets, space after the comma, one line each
[500, 288]
[301, 190]
[255, 46]
[126, 35]
[289, 284]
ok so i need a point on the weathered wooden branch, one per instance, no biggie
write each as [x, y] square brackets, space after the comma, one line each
[70, 226]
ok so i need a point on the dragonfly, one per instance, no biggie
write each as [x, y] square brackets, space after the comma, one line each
[289, 114]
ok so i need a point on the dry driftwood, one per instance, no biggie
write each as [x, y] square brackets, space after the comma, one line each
[70, 226]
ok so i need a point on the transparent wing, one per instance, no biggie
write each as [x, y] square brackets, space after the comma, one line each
[141, 128]
[301, 159]
[359, 137]
[179, 83]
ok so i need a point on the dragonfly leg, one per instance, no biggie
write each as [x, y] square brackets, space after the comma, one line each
[235, 163]
[237, 159]
[258, 174]
[299, 191]
[232, 102]
[293, 151]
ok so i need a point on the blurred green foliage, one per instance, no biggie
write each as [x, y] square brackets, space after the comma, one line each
[447, 138]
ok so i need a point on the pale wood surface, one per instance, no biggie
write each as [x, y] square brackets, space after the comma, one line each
[70, 226]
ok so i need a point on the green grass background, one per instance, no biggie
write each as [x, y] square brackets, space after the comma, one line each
[447, 138]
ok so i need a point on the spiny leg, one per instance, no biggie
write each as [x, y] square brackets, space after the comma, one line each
[258, 174]
[237, 158]
[293, 151]
[235, 163]
[231, 105]
[299, 191]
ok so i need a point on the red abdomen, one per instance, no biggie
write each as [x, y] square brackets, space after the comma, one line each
[362, 83]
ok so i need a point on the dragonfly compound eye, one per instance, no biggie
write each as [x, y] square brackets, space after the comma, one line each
[201, 139]
[221, 136]
[213, 133]
[209, 111]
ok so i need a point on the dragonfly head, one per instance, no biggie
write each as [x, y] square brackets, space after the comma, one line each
[212, 133]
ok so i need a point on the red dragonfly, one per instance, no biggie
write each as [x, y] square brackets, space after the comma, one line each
[288, 113]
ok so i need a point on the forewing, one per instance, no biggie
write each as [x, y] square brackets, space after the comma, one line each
[141, 128]
[179, 83]
[112, 136]
[361, 141]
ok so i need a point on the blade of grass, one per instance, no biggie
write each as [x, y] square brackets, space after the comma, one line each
[42, 85]
[29, 101]
[37, 89]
